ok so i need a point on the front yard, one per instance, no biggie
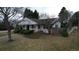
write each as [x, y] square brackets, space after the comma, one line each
[39, 42]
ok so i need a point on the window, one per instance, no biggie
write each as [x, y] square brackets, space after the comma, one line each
[27, 27]
[38, 26]
[32, 26]
[56, 26]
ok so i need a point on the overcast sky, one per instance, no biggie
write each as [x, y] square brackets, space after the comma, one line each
[51, 7]
[55, 6]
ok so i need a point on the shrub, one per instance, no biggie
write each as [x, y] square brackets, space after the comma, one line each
[64, 33]
[3, 27]
[26, 31]
[17, 29]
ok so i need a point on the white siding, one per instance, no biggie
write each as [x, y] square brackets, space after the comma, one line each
[58, 24]
[36, 28]
[45, 30]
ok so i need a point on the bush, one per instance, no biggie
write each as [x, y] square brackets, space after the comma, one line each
[18, 29]
[64, 33]
[3, 27]
[26, 31]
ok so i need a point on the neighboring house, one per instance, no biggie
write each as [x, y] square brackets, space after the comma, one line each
[56, 27]
[39, 24]
[73, 29]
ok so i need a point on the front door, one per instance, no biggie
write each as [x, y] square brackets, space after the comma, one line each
[27, 27]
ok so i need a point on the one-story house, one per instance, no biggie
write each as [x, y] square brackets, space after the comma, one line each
[39, 24]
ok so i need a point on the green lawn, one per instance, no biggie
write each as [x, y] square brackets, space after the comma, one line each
[39, 42]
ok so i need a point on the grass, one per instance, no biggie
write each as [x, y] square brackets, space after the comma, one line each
[3, 33]
[40, 42]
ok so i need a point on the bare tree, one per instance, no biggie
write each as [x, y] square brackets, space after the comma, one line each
[48, 25]
[8, 12]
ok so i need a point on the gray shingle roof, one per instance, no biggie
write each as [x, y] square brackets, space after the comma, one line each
[43, 21]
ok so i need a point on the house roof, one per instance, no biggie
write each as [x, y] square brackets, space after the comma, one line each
[27, 21]
[43, 21]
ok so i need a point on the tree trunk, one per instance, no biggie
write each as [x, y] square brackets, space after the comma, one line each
[49, 31]
[9, 33]
[7, 24]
